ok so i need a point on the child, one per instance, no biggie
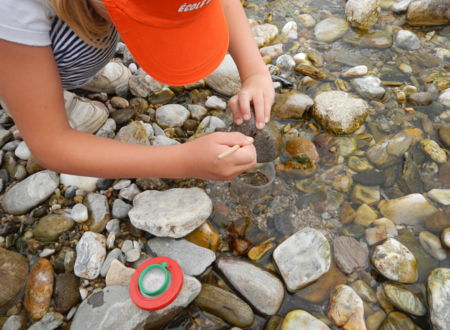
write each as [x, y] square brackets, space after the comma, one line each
[48, 45]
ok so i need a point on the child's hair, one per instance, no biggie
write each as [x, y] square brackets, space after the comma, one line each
[83, 20]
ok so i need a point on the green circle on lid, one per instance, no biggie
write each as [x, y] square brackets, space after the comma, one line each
[163, 287]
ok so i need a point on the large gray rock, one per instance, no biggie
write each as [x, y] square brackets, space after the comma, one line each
[192, 258]
[30, 192]
[112, 308]
[261, 289]
[428, 12]
[339, 112]
[225, 79]
[438, 298]
[303, 258]
[362, 13]
[171, 213]
[91, 252]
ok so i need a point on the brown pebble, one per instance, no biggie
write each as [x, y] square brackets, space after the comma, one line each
[39, 289]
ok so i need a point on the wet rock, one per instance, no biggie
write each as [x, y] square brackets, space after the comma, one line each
[225, 80]
[290, 30]
[420, 99]
[370, 178]
[50, 321]
[339, 112]
[205, 236]
[39, 289]
[397, 320]
[382, 229]
[432, 245]
[307, 20]
[134, 133]
[400, 6]
[388, 151]
[356, 71]
[411, 209]
[301, 149]
[173, 213]
[291, 105]
[192, 258]
[51, 226]
[91, 253]
[428, 12]
[404, 299]
[433, 150]
[369, 87]
[346, 308]
[364, 291]
[362, 14]
[303, 258]
[300, 319]
[98, 208]
[264, 33]
[444, 134]
[395, 261]
[112, 308]
[444, 98]
[286, 64]
[225, 305]
[369, 195]
[67, 293]
[272, 50]
[171, 115]
[438, 293]
[118, 274]
[407, 40]
[261, 289]
[445, 238]
[30, 192]
[13, 272]
[350, 255]
[15, 322]
[374, 320]
[438, 221]
[331, 29]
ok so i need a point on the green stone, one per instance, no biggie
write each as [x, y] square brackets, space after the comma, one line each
[51, 226]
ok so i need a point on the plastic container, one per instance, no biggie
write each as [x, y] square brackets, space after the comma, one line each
[253, 185]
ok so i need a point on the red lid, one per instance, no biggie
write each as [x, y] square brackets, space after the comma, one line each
[167, 297]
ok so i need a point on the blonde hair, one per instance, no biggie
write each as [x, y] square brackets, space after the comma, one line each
[83, 20]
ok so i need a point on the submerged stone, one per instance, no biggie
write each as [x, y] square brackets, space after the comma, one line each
[438, 293]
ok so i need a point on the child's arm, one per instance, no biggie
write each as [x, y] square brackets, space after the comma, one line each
[30, 86]
[256, 81]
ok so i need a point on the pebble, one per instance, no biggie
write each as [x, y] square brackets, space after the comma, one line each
[97, 205]
[30, 192]
[369, 87]
[113, 255]
[210, 124]
[88, 184]
[404, 299]
[79, 213]
[22, 151]
[382, 229]
[356, 71]
[39, 289]
[161, 140]
[49, 321]
[261, 289]
[303, 258]
[444, 98]
[112, 308]
[67, 293]
[407, 40]
[300, 319]
[197, 111]
[134, 133]
[364, 291]
[395, 261]
[108, 129]
[369, 195]
[205, 236]
[216, 103]
[121, 184]
[307, 20]
[15, 322]
[192, 258]
[290, 29]
[171, 115]
[400, 6]
[397, 320]
[51, 226]
[411, 209]
[350, 255]
[225, 79]
[264, 33]
[271, 51]
[346, 309]
[362, 14]
[118, 274]
[331, 29]
[14, 271]
[438, 293]
[438, 221]
[428, 12]
[433, 150]
[171, 213]
[432, 245]
[225, 305]
[91, 253]
[291, 105]
[286, 64]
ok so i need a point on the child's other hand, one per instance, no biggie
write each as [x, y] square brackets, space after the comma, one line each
[201, 156]
[258, 89]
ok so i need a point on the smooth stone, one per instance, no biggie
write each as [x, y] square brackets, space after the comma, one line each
[22, 151]
[39, 289]
[128, 193]
[369, 195]
[432, 245]
[404, 299]
[197, 111]
[205, 236]
[330, 29]
[374, 320]
[444, 98]
[397, 320]
[30, 192]
[438, 293]
[444, 134]
[339, 112]
[382, 229]
[370, 178]
[420, 99]
[261, 289]
[407, 40]
[79, 213]
[216, 103]
[364, 291]
[120, 209]
[49, 321]
[15, 322]
[445, 238]
[118, 274]
[134, 133]
[51, 226]
[395, 261]
[428, 12]
[438, 221]
[192, 258]
[13, 274]
[369, 87]
[112, 308]
[123, 116]
[400, 6]
[98, 208]
[91, 253]
[291, 105]
[225, 305]
[290, 30]
[303, 258]
[171, 115]
[356, 71]
[346, 308]
[225, 79]
[300, 319]
[67, 293]
[142, 85]
[286, 64]
[88, 184]
[108, 129]
[433, 150]
[162, 140]
[362, 14]
[307, 20]
[350, 255]
[113, 226]
[171, 213]
[411, 209]
[112, 255]
[210, 124]
[264, 33]
[389, 150]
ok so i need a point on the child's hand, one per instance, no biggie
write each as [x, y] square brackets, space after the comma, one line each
[256, 88]
[201, 156]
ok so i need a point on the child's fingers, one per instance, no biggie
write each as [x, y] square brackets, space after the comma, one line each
[245, 156]
[244, 105]
[258, 104]
[234, 106]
